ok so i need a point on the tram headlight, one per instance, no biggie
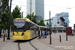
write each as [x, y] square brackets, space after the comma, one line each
[22, 34]
[13, 34]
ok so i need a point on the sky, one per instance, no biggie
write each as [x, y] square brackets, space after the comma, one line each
[55, 6]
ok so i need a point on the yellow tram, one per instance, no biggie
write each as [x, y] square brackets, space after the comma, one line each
[24, 29]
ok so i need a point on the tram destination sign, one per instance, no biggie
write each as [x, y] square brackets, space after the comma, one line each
[19, 20]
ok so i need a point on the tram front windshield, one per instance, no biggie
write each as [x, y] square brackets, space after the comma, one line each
[19, 25]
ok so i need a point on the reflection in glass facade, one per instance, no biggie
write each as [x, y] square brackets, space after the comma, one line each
[45, 21]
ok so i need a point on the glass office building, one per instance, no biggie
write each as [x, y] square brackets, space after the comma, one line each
[65, 15]
[60, 19]
[36, 6]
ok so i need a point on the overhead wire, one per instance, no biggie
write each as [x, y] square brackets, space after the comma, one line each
[19, 5]
[37, 4]
[40, 4]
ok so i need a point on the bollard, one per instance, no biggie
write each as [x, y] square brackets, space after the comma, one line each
[50, 40]
[4, 37]
[66, 38]
[60, 38]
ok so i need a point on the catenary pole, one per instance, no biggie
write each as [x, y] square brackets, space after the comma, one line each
[50, 25]
[22, 14]
[8, 38]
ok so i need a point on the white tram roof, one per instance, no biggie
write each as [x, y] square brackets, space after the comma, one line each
[42, 26]
[58, 26]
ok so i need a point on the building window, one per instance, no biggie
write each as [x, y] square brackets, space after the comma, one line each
[57, 22]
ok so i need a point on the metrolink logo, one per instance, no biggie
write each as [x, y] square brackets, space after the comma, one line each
[65, 47]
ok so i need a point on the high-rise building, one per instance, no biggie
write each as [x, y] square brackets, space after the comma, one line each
[60, 19]
[36, 6]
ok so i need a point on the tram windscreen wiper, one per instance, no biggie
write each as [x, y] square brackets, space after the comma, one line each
[19, 29]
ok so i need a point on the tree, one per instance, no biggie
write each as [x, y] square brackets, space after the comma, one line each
[28, 16]
[5, 17]
[4, 12]
[32, 17]
[16, 12]
[41, 22]
[47, 23]
[5, 5]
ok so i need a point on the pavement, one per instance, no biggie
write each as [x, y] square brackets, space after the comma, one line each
[56, 44]
[41, 44]
[8, 44]
[11, 45]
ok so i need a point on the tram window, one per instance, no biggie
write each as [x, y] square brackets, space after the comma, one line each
[27, 26]
[18, 29]
[19, 24]
[32, 26]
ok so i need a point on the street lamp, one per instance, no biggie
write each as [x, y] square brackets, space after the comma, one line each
[8, 38]
[68, 9]
[50, 25]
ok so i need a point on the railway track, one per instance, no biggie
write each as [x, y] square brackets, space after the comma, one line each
[26, 44]
[33, 46]
[19, 46]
